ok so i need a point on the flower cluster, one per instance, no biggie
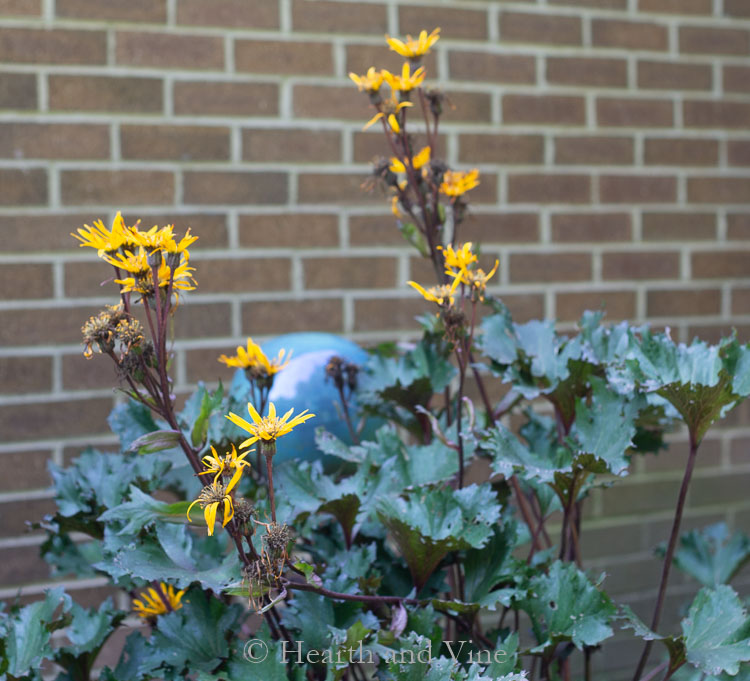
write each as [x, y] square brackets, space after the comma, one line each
[158, 601]
[153, 259]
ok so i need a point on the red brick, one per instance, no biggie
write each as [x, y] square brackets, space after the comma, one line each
[239, 275]
[544, 110]
[87, 279]
[501, 148]
[349, 273]
[52, 46]
[105, 93]
[43, 326]
[289, 231]
[680, 151]
[738, 226]
[54, 419]
[524, 306]
[740, 300]
[203, 320]
[289, 145]
[492, 68]
[53, 141]
[500, 228]
[678, 227]
[677, 6]
[100, 373]
[587, 71]
[663, 75]
[683, 303]
[468, 107]
[334, 188]
[151, 11]
[23, 187]
[736, 8]
[719, 264]
[20, 8]
[29, 471]
[374, 230]
[540, 268]
[547, 188]
[210, 228]
[164, 50]
[382, 314]
[284, 57]
[236, 188]
[323, 16]
[271, 317]
[594, 150]
[25, 374]
[701, 40]
[17, 91]
[637, 189]
[713, 333]
[618, 305]
[591, 227]
[14, 519]
[21, 565]
[203, 365]
[458, 24]
[635, 35]
[711, 114]
[24, 233]
[540, 28]
[596, 4]
[122, 187]
[641, 265]
[225, 99]
[255, 14]
[174, 142]
[719, 189]
[736, 78]
[28, 281]
[370, 145]
[634, 112]
[315, 101]
[738, 152]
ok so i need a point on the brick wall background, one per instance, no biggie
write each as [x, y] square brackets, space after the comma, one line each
[613, 138]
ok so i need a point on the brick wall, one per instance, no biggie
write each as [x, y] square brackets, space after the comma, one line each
[613, 138]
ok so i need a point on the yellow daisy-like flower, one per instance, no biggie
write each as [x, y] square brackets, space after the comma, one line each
[475, 278]
[437, 294]
[456, 182]
[142, 281]
[256, 360]
[163, 239]
[105, 240]
[407, 81]
[421, 159]
[269, 427]
[459, 259]
[370, 82]
[160, 602]
[391, 114]
[411, 48]
[230, 461]
[211, 497]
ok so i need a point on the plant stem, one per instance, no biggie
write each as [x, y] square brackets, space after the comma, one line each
[670, 553]
[271, 498]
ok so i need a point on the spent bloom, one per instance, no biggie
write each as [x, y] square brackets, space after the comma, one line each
[414, 48]
[153, 603]
[270, 427]
[211, 497]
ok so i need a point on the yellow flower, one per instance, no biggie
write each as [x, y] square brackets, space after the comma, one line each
[456, 182]
[103, 239]
[460, 259]
[407, 81]
[392, 120]
[437, 294]
[217, 464]
[256, 360]
[210, 498]
[142, 280]
[476, 279]
[163, 239]
[422, 158]
[370, 82]
[413, 49]
[158, 602]
[269, 427]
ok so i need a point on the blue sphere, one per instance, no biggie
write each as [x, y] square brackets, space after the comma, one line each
[302, 384]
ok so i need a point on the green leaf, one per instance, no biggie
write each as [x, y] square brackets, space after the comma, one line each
[131, 420]
[143, 510]
[155, 442]
[504, 658]
[429, 523]
[717, 631]
[711, 555]
[490, 566]
[565, 606]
